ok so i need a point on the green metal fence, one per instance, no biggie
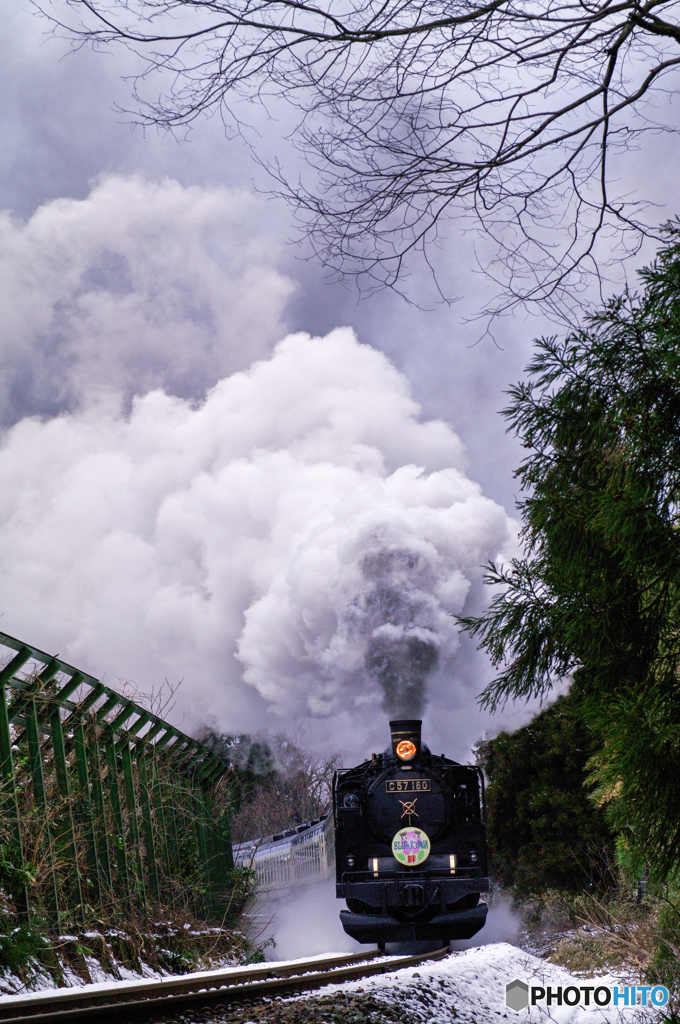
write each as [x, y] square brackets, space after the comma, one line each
[106, 809]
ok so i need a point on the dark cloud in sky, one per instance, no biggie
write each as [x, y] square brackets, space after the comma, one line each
[60, 130]
[140, 285]
[57, 133]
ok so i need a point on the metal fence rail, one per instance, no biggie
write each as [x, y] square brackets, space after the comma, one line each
[305, 853]
[103, 805]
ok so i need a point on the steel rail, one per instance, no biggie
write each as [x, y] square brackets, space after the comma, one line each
[224, 988]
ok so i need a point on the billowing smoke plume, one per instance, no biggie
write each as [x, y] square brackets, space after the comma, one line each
[298, 542]
[280, 529]
[403, 645]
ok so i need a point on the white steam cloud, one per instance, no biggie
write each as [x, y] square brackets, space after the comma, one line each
[317, 906]
[280, 529]
[234, 543]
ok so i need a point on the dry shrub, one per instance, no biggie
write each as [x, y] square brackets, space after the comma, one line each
[594, 934]
[299, 790]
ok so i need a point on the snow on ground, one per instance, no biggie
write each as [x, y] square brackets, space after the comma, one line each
[469, 987]
[12, 987]
[134, 980]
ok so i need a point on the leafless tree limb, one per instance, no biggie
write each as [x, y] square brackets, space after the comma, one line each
[507, 113]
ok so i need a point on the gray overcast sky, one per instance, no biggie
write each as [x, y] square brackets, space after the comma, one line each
[115, 282]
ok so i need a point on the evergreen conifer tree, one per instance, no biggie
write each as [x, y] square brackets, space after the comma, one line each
[543, 829]
[596, 596]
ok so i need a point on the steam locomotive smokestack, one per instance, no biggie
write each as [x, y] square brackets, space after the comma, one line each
[406, 738]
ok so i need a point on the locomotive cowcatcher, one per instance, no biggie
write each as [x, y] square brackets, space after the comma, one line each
[410, 848]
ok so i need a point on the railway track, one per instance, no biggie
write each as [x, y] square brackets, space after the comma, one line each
[219, 990]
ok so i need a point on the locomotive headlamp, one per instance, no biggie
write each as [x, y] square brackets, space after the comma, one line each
[405, 736]
[406, 750]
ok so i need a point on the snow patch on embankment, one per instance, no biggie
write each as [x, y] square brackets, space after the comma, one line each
[468, 987]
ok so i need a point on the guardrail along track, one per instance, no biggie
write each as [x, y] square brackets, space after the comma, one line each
[217, 989]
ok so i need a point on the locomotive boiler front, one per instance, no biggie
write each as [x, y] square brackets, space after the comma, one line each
[410, 844]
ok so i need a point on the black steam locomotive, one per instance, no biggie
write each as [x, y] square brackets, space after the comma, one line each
[410, 848]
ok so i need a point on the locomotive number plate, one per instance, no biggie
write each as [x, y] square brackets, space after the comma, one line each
[407, 786]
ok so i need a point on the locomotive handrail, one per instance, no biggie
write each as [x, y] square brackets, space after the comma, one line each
[380, 761]
[482, 795]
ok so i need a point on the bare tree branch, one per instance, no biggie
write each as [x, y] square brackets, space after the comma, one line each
[507, 113]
